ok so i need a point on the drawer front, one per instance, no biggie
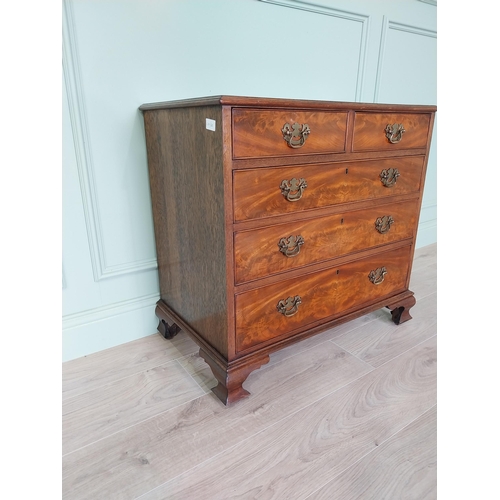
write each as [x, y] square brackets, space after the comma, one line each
[266, 192]
[317, 296]
[382, 131]
[274, 249]
[260, 133]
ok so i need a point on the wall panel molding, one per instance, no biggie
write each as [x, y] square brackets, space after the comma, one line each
[83, 151]
[106, 312]
[416, 30]
[387, 25]
[428, 211]
[427, 233]
[341, 14]
[429, 204]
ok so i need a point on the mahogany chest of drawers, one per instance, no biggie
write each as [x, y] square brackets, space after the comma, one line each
[277, 219]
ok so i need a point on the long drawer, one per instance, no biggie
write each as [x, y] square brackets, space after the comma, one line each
[259, 193]
[286, 307]
[282, 247]
[262, 133]
[390, 131]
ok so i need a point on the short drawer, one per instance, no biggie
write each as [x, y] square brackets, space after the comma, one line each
[266, 192]
[261, 133]
[390, 131]
[275, 249]
[287, 307]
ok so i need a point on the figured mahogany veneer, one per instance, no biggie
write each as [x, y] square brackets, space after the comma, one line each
[257, 194]
[257, 253]
[323, 294]
[367, 126]
[258, 132]
[276, 219]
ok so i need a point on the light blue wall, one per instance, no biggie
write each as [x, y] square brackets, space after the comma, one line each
[119, 54]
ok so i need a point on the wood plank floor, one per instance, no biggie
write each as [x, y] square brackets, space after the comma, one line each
[347, 414]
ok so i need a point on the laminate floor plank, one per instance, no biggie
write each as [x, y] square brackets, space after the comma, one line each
[199, 371]
[98, 369]
[150, 453]
[404, 467]
[424, 281]
[101, 412]
[380, 341]
[296, 455]
[424, 256]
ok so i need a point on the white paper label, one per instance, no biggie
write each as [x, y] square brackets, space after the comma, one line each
[210, 124]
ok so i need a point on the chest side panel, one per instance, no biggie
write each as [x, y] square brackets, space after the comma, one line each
[187, 190]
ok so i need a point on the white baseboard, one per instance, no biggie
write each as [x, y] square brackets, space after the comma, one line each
[104, 327]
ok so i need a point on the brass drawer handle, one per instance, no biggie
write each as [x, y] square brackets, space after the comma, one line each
[295, 135]
[290, 306]
[383, 224]
[377, 276]
[290, 247]
[394, 132]
[388, 177]
[292, 190]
